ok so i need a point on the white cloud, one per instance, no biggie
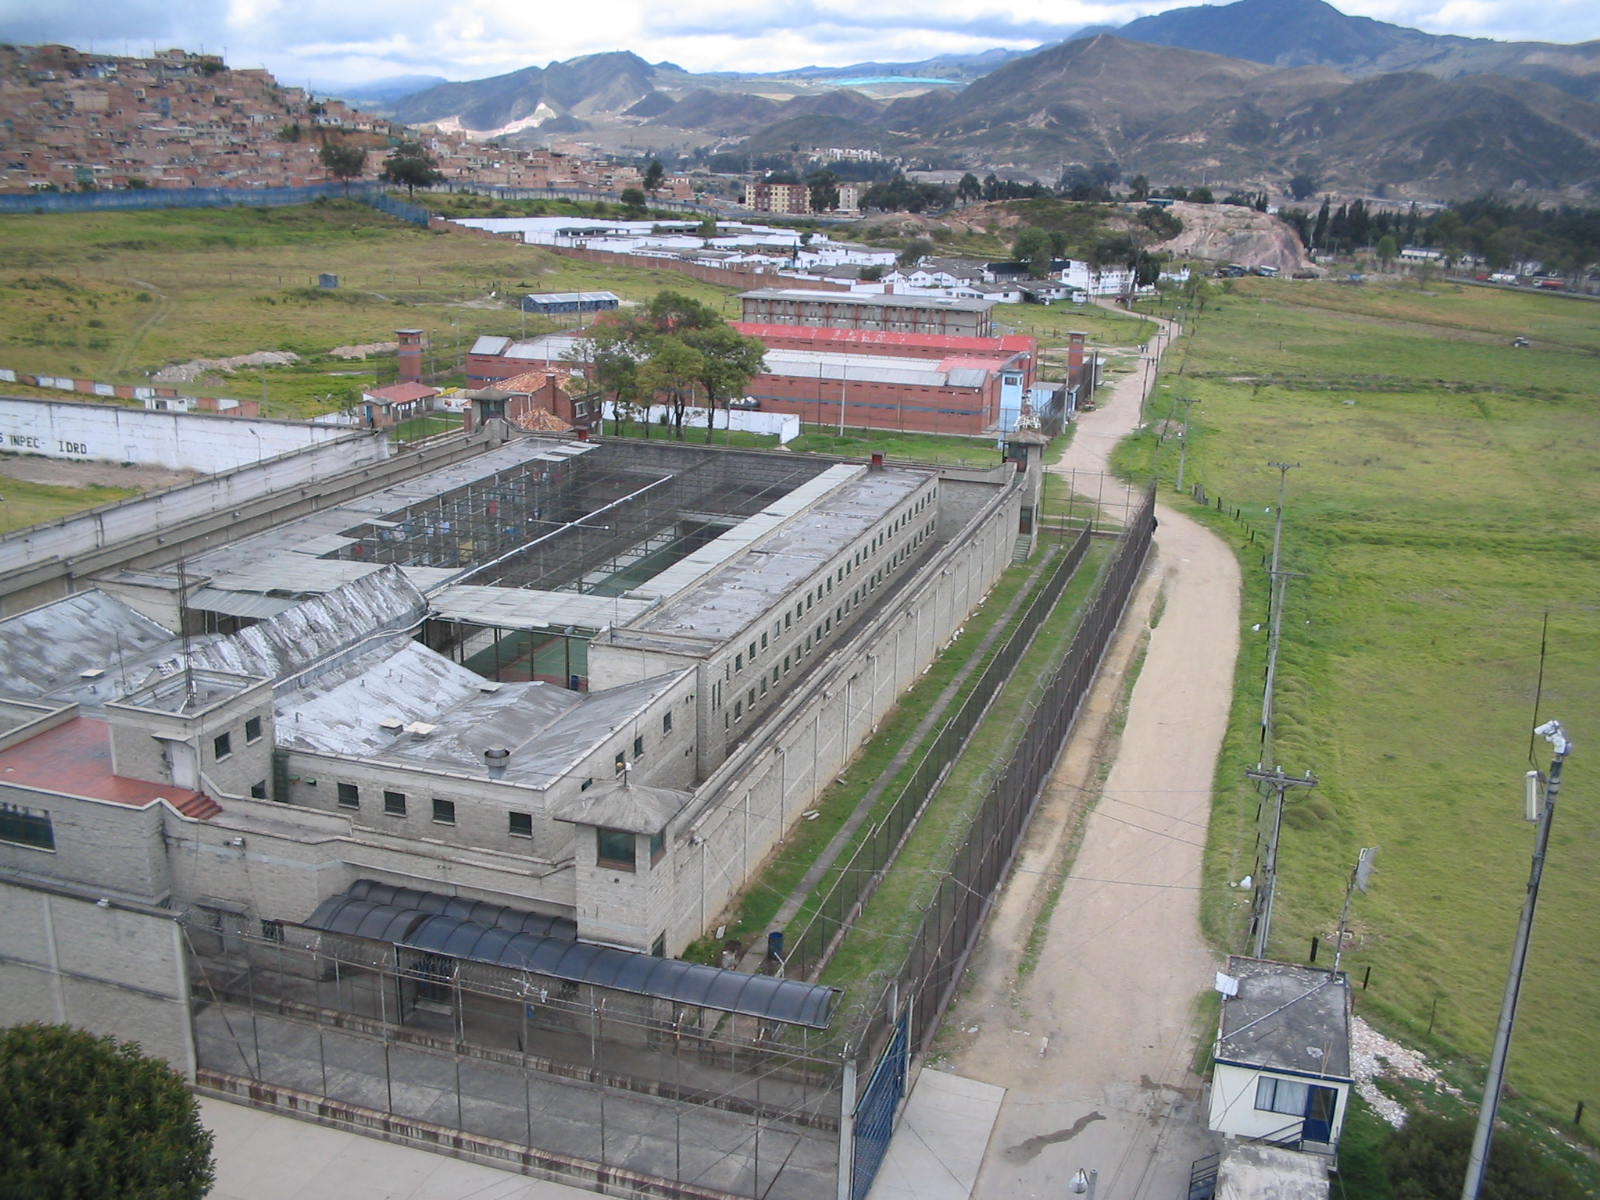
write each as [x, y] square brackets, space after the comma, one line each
[469, 39]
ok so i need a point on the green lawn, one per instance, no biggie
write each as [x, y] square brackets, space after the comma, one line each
[1446, 501]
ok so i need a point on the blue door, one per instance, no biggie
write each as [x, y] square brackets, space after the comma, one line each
[1321, 1104]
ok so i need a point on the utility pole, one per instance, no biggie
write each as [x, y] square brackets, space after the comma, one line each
[1183, 450]
[1478, 1160]
[1265, 892]
[1277, 526]
[1280, 580]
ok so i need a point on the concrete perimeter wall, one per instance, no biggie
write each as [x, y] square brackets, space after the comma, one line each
[744, 808]
[179, 441]
[67, 960]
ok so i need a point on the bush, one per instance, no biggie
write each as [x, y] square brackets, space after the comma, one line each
[1428, 1159]
[90, 1117]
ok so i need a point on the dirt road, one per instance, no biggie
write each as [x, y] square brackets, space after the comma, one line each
[1094, 1045]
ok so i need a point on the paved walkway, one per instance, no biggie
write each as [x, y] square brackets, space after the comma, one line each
[262, 1156]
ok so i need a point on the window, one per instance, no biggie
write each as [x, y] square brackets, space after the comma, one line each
[638, 747]
[444, 812]
[252, 729]
[613, 848]
[24, 827]
[349, 796]
[666, 723]
[519, 824]
[259, 789]
[621, 761]
[394, 803]
[738, 662]
[586, 785]
[221, 746]
[658, 846]
[738, 709]
[1286, 1096]
[763, 641]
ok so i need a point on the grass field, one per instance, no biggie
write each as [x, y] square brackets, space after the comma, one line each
[115, 296]
[1446, 501]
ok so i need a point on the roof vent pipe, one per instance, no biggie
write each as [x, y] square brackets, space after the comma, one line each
[496, 758]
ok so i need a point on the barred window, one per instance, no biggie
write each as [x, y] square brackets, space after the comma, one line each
[23, 827]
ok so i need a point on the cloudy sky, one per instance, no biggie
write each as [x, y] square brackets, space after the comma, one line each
[300, 40]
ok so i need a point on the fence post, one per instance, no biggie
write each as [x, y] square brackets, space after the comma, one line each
[847, 1124]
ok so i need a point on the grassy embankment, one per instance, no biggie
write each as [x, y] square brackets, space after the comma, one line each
[28, 503]
[1445, 502]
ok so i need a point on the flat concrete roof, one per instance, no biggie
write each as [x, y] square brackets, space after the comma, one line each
[776, 550]
[1286, 1017]
[527, 608]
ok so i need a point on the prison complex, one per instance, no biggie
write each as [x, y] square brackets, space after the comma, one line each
[456, 750]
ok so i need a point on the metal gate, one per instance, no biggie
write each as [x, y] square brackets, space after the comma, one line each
[874, 1116]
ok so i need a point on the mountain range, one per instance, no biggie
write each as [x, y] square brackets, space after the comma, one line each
[1243, 95]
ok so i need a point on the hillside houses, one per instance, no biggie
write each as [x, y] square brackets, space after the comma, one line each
[175, 120]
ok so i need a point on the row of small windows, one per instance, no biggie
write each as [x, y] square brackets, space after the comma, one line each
[395, 804]
[826, 587]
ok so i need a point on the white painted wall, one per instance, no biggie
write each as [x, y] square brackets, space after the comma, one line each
[1233, 1102]
[192, 441]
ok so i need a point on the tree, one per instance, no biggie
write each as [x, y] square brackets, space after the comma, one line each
[1032, 247]
[409, 164]
[1201, 195]
[729, 361]
[673, 368]
[344, 162]
[92, 1118]
[1303, 186]
[1428, 1159]
[654, 174]
[823, 189]
[969, 189]
[916, 250]
[1387, 249]
[1139, 188]
[633, 200]
[1319, 231]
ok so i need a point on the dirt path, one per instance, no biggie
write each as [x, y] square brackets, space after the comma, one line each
[1095, 1044]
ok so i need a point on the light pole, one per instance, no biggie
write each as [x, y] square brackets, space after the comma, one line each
[1183, 449]
[1478, 1160]
[1083, 1183]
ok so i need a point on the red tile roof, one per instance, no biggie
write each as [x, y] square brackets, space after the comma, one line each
[403, 393]
[74, 759]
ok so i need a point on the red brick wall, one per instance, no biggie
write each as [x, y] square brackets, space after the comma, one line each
[871, 405]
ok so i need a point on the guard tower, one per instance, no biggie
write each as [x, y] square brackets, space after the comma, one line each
[411, 343]
[1025, 447]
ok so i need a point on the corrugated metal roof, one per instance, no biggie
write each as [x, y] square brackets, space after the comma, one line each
[868, 301]
[237, 604]
[49, 647]
[695, 985]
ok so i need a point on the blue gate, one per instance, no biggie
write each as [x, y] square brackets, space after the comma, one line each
[874, 1118]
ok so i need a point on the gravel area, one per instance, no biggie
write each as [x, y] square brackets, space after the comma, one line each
[1373, 1056]
[190, 371]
